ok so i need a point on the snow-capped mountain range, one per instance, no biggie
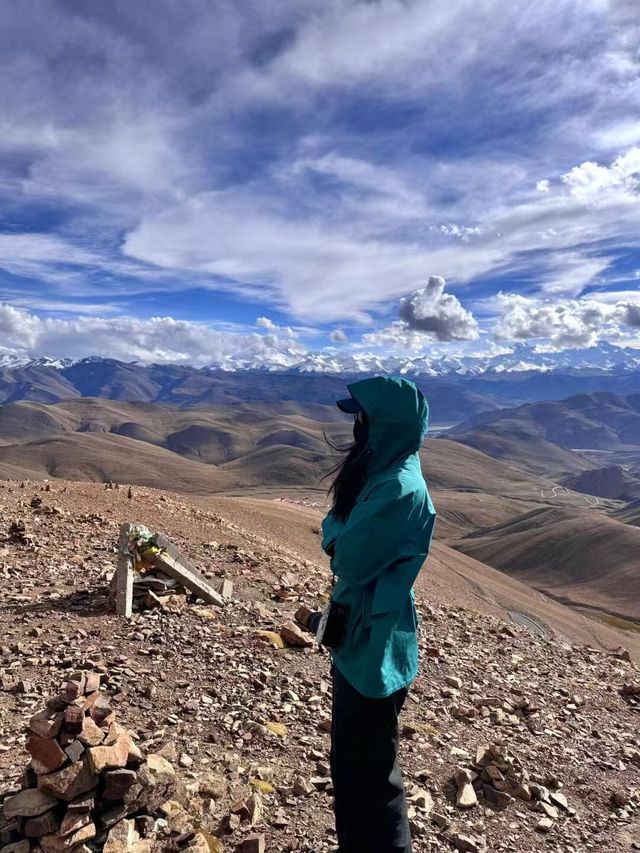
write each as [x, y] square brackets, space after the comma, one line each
[523, 358]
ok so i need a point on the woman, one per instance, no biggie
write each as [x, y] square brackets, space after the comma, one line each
[377, 534]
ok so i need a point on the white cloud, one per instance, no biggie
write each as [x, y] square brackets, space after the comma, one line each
[619, 135]
[159, 339]
[452, 229]
[132, 168]
[63, 306]
[265, 323]
[565, 324]
[282, 331]
[385, 188]
[338, 335]
[427, 316]
[597, 184]
[43, 256]
[397, 337]
[432, 311]
[313, 268]
[144, 136]
[65, 264]
[630, 313]
[568, 273]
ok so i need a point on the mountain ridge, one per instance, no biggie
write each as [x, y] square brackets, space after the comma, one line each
[558, 436]
[522, 358]
[452, 397]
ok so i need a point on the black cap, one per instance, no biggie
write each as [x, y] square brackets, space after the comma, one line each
[349, 405]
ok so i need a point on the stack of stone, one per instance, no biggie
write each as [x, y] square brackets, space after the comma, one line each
[88, 786]
[631, 691]
[17, 534]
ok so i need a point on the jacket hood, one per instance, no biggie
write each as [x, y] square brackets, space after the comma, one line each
[398, 416]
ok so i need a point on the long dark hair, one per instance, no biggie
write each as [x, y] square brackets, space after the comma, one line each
[350, 472]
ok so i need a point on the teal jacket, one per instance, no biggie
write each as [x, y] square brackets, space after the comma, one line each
[378, 552]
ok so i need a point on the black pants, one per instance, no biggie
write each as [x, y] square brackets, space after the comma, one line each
[370, 804]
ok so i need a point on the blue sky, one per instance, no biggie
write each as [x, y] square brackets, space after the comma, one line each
[208, 181]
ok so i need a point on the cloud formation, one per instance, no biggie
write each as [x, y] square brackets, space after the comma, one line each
[280, 332]
[564, 324]
[316, 160]
[630, 314]
[596, 184]
[338, 335]
[439, 314]
[428, 315]
[159, 339]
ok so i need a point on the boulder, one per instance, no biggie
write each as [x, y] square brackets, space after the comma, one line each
[58, 843]
[121, 837]
[17, 847]
[117, 783]
[156, 779]
[295, 636]
[47, 723]
[28, 803]
[466, 796]
[44, 824]
[69, 782]
[110, 757]
[73, 821]
[91, 734]
[45, 752]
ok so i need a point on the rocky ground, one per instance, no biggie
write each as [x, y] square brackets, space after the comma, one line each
[511, 742]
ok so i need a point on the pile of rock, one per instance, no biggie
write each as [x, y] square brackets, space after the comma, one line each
[17, 534]
[500, 779]
[88, 786]
[631, 692]
[153, 589]
[498, 711]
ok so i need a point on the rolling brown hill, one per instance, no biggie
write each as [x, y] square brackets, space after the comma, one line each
[104, 458]
[234, 447]
[215, 434]
[460, 513]
[600, 420]
[450, 464]
[522, 443]
[629, 513]
[580, 557]
[547, 436]
[258, 449]
[613, 482]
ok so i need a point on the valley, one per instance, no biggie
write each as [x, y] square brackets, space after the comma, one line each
[514, 488]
